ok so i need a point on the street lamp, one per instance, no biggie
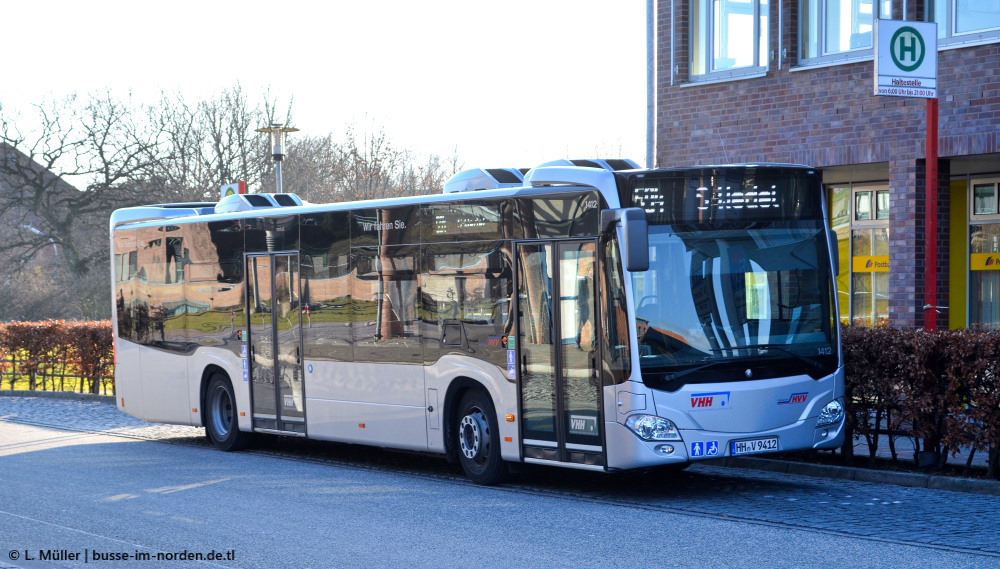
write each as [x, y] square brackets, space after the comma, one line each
[278, 132]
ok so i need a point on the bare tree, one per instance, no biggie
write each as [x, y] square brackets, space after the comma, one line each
[117, 154]
[97, 143]
[370, 165]
[312, 169]
[320, 169]
[208, 144]
[428, 178]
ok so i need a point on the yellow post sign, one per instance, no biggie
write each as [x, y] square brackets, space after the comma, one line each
[984, 261]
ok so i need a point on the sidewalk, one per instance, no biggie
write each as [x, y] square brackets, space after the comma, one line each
[912, 479]
[904, 455]
[905, 450]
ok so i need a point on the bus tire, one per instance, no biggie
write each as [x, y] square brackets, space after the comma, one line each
[221, 424]
[478, 439]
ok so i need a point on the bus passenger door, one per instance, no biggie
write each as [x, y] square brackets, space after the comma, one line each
[558, 381]
[274, 319]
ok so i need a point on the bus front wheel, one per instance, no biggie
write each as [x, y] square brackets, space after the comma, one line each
[478, 441]
[221, 424]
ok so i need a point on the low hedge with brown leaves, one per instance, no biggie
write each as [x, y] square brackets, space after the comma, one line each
[942, 387]
[44, 352]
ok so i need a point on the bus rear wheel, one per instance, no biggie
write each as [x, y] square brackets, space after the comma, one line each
[221, 424]
[478, 439]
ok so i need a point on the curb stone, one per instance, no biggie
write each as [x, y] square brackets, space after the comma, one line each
[911, 479]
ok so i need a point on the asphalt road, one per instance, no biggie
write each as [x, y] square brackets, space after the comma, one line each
[119, 486]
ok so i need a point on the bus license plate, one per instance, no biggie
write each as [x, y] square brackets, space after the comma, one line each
[752, 446]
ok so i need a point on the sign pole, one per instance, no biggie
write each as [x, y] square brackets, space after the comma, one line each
[930, 216]
[906, 66]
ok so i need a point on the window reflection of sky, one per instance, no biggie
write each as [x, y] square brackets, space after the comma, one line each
[707, 293]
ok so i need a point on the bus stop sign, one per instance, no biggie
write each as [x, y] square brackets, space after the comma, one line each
[906, 62]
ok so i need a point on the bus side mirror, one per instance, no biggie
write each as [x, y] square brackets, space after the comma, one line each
[635, 233]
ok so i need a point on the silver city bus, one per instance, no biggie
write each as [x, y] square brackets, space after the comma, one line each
[599, 317]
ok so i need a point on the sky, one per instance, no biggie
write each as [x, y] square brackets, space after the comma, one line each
[502, 84]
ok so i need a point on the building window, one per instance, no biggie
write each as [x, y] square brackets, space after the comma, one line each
[984, 255]
[962, 21]
[839, 29]
[860, 217]
[984, 199]
[729, 38]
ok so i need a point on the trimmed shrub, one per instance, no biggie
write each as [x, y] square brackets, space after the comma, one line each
[40, 353]
[943, 386]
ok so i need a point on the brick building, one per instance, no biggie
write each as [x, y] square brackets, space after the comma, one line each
[792, 81]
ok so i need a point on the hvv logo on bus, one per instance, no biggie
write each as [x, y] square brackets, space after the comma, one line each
[709, 401]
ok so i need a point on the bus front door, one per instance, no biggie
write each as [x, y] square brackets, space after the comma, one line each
[274, 320]
[558, 380]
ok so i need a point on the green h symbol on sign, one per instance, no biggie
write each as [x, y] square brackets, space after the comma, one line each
[907, 48]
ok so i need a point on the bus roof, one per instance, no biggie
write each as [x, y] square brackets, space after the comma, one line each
[538, 182]
[549, 178]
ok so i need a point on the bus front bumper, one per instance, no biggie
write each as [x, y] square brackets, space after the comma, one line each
[626, 450]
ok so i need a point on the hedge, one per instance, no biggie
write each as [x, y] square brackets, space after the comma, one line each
[57, 355]
[940, 387]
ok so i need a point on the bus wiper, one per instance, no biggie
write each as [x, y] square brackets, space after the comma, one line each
[670, 379]
[809, 361]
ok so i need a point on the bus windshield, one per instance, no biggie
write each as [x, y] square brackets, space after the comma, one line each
[715, 299]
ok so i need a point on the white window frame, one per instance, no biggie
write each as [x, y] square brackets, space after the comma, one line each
[756, 69]
[874, 191]
[828, 58]
[952, 38]
[978, 218]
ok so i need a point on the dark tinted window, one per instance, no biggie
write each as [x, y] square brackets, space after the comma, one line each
[384, 294]
[555, 217]
[386, 226]
[161, 303]
[467, 221]
[212, 299]
[465, 300]
[126, 300]
[226, 249]
[326, 285]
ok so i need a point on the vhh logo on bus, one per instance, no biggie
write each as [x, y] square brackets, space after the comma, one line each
[706, 401]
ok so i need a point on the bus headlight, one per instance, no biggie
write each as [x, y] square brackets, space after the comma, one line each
[832, 414]
[652, 428]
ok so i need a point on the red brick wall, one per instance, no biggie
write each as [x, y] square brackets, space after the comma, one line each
[826, 116]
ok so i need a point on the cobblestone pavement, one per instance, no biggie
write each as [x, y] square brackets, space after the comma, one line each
[917, 516]
[90, 416]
